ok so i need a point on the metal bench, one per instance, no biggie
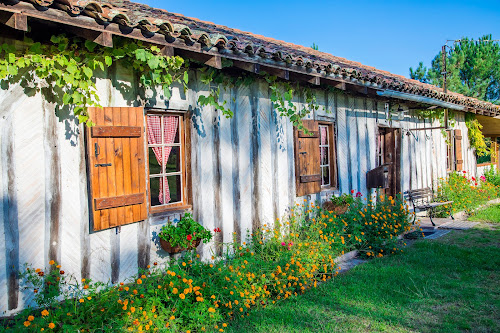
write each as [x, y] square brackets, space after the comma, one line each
[421, 200]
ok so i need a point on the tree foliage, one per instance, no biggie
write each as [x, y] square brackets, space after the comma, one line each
[473, 69]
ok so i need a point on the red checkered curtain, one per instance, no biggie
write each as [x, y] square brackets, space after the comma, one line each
[322, 141]
[170, 125]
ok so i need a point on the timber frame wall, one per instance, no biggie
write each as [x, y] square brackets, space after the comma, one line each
[242, 171]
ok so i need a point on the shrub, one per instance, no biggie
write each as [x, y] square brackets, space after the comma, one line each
[492, 176]
[185, 232]
[275, 263]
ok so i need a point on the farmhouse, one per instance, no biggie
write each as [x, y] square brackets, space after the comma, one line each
[94, 198]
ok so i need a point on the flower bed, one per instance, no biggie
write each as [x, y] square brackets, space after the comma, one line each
[189, 295]
[466, 192]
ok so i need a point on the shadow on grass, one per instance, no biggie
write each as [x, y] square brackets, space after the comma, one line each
[433, 286]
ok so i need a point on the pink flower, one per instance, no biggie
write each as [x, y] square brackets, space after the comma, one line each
[283, 244]
[189, 237]
[359, 195]
[483, 178]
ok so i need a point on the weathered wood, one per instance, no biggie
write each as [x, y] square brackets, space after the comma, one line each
[255, 158]
[119, 201]
[216, 167]
[116, 131]
[247, 66]
[126, 174]
[18, 21]
[458, 150]
[342, 145]
[115, 256]
[103, 38]
[307, 160]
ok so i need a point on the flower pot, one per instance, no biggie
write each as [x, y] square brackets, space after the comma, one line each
[176, 249]
[338, 210]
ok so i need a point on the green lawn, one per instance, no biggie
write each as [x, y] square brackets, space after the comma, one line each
[446, 285]
[489, 214]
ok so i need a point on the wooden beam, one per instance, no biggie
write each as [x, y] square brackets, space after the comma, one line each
[167, 51]
[278, 72]
[18, 21]
[212, 60]
[247, 66]
[315, 80]
[103, 38]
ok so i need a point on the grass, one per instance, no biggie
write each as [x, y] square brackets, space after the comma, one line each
[444, 285]
[489, 214]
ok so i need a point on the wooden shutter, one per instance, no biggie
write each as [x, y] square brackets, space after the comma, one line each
[459, 162]
[307, 160]
[494, 151]
[117, 166]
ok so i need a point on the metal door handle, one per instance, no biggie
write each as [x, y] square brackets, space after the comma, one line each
[103, 164]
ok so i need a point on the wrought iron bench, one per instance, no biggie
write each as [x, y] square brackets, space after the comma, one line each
[421, 200]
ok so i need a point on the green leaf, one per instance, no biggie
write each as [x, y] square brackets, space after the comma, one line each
[12, 70]
[72, 68]
[89, 45]
[140, 54]
[66, 98]
[186, 77]
[108, 60]
[55, 39]
[88, 72]
[11, 58]
[166, 92]
[153, 62]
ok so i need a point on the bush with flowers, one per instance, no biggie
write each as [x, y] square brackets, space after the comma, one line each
[276, 262]
[492, 176]
[466, 192]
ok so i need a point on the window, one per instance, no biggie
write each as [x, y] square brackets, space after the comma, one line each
[166, 156]
[327, 155]
[315, 167]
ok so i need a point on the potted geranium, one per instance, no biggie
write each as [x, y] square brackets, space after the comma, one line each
[186, 235]
[339, 205]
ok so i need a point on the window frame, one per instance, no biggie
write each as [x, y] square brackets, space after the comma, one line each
[332, 156]
[450, 152]
[185, 166]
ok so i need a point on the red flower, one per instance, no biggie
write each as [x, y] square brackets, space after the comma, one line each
[359, 195]
[464, 171]
[189, 237]
[352, 191]
[217, 230]
[473, 179]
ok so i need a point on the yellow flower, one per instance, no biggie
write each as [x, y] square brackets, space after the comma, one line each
[52, 262]
[27, 323]
[182, 296]
[211, 310]
[139, 281]
[52, 325]
[174, 290]
[31, 318]
[81, 300]
[45, 313]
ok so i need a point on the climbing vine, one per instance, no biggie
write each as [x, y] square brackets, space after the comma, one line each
[281, 94]
[476, 137]
[65, 69]
[438, 114]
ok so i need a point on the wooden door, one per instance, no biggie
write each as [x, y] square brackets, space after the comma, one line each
[391, 154]
[117, 166]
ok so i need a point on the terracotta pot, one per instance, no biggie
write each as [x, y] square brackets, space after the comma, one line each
[338, 210]
[176, 249]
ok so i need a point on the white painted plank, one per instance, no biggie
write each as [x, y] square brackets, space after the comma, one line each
[266, 173]
[353, 144]
[342, 141]
[363, 154]
[100, 255]
[30, 183]
[129, 251]
[244, 122]
[226, 167]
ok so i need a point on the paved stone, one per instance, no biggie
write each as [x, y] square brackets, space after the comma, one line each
[438, 233]
[458, 225]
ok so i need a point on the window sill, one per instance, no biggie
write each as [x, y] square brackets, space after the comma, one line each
[169, 209]
[329, 189]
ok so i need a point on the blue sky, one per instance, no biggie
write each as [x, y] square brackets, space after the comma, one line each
[389, 35]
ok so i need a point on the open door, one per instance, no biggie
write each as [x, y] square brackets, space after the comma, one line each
[387, 175]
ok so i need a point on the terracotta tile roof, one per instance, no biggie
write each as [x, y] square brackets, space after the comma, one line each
[227, 40]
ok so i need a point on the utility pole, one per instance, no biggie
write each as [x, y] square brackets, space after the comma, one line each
[445, 89]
